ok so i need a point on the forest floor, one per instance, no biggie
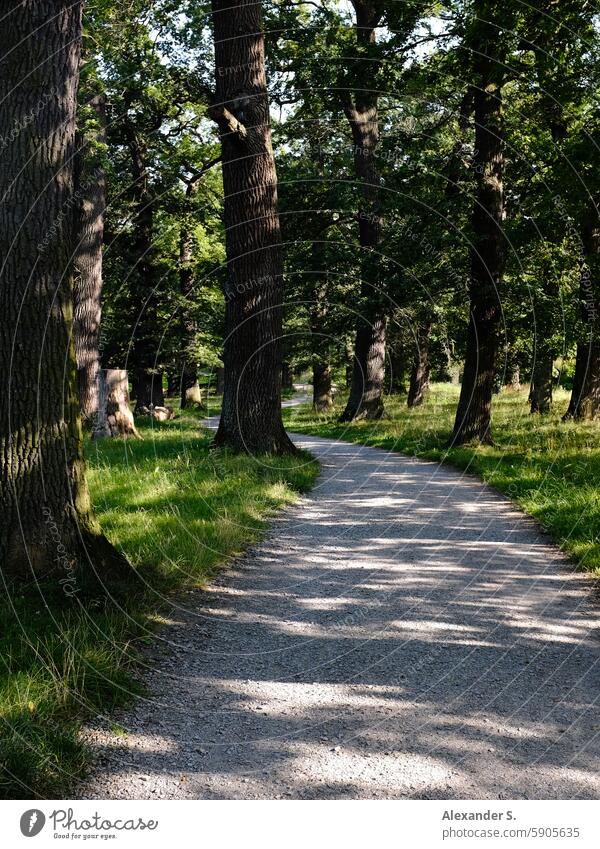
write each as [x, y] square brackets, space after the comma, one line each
[550, 468]
[178, 511]
[403, 632]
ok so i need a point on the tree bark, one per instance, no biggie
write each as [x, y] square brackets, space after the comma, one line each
[362, 111]
[190, 389]
[322, 395]
[514, 378]
[545, 302]
[87, 312]
[251, 411]
[540, 395]
[319, 339]
[473, 416]
[48, 528]
[419, 376]
[585, 395]
[114, 413]
[287, 378]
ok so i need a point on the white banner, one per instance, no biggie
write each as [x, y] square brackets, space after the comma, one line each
[319, 824]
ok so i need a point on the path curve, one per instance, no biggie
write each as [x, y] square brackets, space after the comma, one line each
[403, 632]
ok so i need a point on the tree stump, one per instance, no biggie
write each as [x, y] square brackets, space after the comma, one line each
[191, 395]
[114, 414]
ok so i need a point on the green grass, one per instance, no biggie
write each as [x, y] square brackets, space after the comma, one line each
[550, 468]
[178, 511]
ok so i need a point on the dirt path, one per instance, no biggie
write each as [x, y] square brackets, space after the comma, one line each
[403, 632]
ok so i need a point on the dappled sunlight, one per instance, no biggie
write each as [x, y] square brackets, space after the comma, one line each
[388, 639]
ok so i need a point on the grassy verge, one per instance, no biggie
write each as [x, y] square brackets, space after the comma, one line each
[550, 468]
[177, 510]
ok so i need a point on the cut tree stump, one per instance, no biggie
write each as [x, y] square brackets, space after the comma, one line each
[114, 413]
[159, 414]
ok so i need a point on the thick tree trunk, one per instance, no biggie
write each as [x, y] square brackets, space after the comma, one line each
[251, 411]
[87, 310]
[584, 404]
[473, 416]
[322, 395]
[48, 527]
[419, 376]
[361, 109]
[149, 391]
[366, 390]
[585, 395]
[114, 413]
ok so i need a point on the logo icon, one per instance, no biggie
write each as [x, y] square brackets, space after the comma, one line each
[32, 822]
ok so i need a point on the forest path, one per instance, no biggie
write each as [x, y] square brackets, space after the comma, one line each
[403, 632]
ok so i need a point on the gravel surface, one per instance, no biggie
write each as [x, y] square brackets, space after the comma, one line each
[403, 632]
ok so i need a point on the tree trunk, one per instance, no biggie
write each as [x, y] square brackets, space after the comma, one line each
[173, 383]
[251, 411]
[143, 283]
[190, 389]
[149, 391]
[361, 109]
[87, 311]
[114, 413]
[287, 378]
[191, 396]
[540, 394]
[319, 308]
[419, 376]
[366, 390]
[545, 301]
[473, 416]
[48, 527]
[514, 379]
[585, 395]
[322, 395]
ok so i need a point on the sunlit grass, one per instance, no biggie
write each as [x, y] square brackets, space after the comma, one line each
[550, 468]
[178, 511]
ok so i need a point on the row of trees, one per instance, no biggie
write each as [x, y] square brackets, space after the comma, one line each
[434, 208]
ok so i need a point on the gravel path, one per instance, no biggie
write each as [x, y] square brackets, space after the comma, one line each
[404, 632]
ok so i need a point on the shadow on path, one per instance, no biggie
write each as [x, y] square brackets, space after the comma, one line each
[404, 632]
